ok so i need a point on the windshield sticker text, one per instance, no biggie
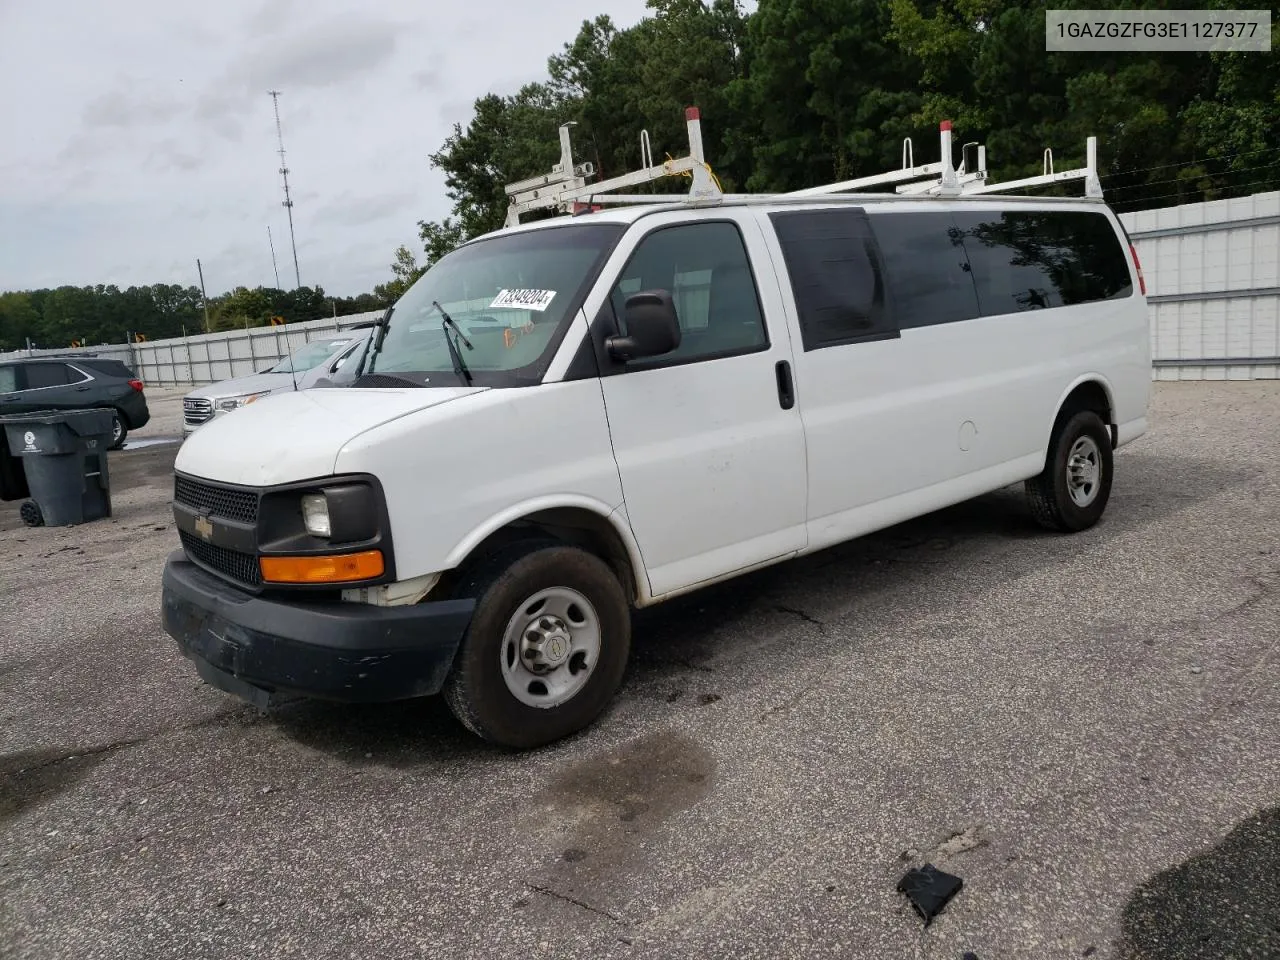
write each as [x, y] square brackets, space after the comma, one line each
[523, 299]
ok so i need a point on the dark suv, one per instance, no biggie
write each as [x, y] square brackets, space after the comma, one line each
[73, 383]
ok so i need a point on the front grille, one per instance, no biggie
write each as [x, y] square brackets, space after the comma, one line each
[197, 410]
[217, 501]
[242, 567]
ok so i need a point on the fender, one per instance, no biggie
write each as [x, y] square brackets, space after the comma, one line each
[1092, 376]
[616, 517]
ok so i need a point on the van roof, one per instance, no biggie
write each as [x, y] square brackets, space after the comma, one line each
[631, 212]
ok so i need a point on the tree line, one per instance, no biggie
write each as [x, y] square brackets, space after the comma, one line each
[803, 92]
[792, 94]
[101, 314]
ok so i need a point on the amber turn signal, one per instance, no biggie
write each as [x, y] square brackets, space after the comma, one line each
[326, 569]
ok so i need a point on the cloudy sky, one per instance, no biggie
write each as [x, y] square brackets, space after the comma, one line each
[138, 135]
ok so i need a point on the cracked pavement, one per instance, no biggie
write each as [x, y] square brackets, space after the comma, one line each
[1086, 729]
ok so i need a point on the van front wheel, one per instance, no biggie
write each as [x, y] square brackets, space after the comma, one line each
[1071, 493]
[546, 648]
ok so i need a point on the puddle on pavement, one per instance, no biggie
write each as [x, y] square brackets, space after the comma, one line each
[150, 442]
[1222, 903]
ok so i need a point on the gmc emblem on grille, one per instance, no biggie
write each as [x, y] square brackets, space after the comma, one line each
[204, 527]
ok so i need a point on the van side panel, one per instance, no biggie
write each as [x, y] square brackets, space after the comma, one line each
[1060, 306]
[959, 395]
[451, 472]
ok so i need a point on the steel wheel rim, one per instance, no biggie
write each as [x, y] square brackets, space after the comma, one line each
[550, 647]
[1084, 471]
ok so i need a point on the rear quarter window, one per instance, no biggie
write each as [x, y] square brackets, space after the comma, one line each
[1039, 259]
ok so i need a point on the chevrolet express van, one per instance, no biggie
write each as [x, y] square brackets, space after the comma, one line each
[565, 420]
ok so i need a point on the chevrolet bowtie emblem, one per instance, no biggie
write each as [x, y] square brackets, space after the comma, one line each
[204, 527]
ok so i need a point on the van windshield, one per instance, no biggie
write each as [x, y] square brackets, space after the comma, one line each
[511, 298]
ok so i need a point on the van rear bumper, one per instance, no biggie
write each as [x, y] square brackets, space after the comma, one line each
[262, 650]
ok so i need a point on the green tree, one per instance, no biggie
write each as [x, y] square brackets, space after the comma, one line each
[404, 271]
[19, 319]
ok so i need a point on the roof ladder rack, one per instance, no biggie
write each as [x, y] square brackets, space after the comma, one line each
[1088, 173]
[566, 184]
[565, 187]
[947, 182]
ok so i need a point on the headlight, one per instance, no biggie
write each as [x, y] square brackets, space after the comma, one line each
[315, 514]
[231, 403]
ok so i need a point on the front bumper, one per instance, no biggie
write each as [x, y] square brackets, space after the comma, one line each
[259, 648]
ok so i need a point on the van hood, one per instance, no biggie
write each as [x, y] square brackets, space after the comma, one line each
[297, 435]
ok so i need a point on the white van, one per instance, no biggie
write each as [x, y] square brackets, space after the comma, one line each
[566, 420]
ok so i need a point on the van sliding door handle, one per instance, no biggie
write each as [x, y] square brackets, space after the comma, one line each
[786, 393]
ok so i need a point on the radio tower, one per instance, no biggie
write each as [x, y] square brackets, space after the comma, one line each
[284, 173]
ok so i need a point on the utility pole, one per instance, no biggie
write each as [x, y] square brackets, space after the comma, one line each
[204, 297]
[273, 256]
[284, 174]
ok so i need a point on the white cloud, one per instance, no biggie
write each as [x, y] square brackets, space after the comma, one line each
[142, 136]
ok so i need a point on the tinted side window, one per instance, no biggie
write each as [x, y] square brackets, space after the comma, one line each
[925, 264]
[835, 275]
[1030, 260]
[8, 378]
[705, 267]
[46, 375]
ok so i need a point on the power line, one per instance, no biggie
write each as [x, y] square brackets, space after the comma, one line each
[284, 174]
[1189, 180]
[1183, 193]
[1187, 163]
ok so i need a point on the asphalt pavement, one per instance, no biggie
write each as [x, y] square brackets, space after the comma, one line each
[1085, 729]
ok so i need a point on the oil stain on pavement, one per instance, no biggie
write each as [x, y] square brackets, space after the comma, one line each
[31, 777]
[1222, 903]
[602, 809]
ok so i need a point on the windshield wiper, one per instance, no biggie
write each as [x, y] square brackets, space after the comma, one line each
[455, 354]
[374, 347]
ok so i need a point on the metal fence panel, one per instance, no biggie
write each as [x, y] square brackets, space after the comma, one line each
[1213, 287]
[209, 357]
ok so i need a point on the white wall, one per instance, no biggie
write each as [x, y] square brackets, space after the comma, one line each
[1213, 287]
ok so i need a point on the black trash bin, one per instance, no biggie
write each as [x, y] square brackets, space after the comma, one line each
[64, 458]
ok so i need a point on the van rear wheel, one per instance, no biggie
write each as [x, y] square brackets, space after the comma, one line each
[546, 648]
[1072, 492]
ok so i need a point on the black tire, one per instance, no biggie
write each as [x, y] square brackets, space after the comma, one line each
[119, 431]
[476, 690]
[1050, 493]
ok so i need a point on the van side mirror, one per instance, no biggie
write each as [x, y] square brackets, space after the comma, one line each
[652, 327]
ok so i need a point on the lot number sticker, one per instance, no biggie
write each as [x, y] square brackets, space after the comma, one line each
[523, 299]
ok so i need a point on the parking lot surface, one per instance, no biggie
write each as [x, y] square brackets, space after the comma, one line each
[1085, 729]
